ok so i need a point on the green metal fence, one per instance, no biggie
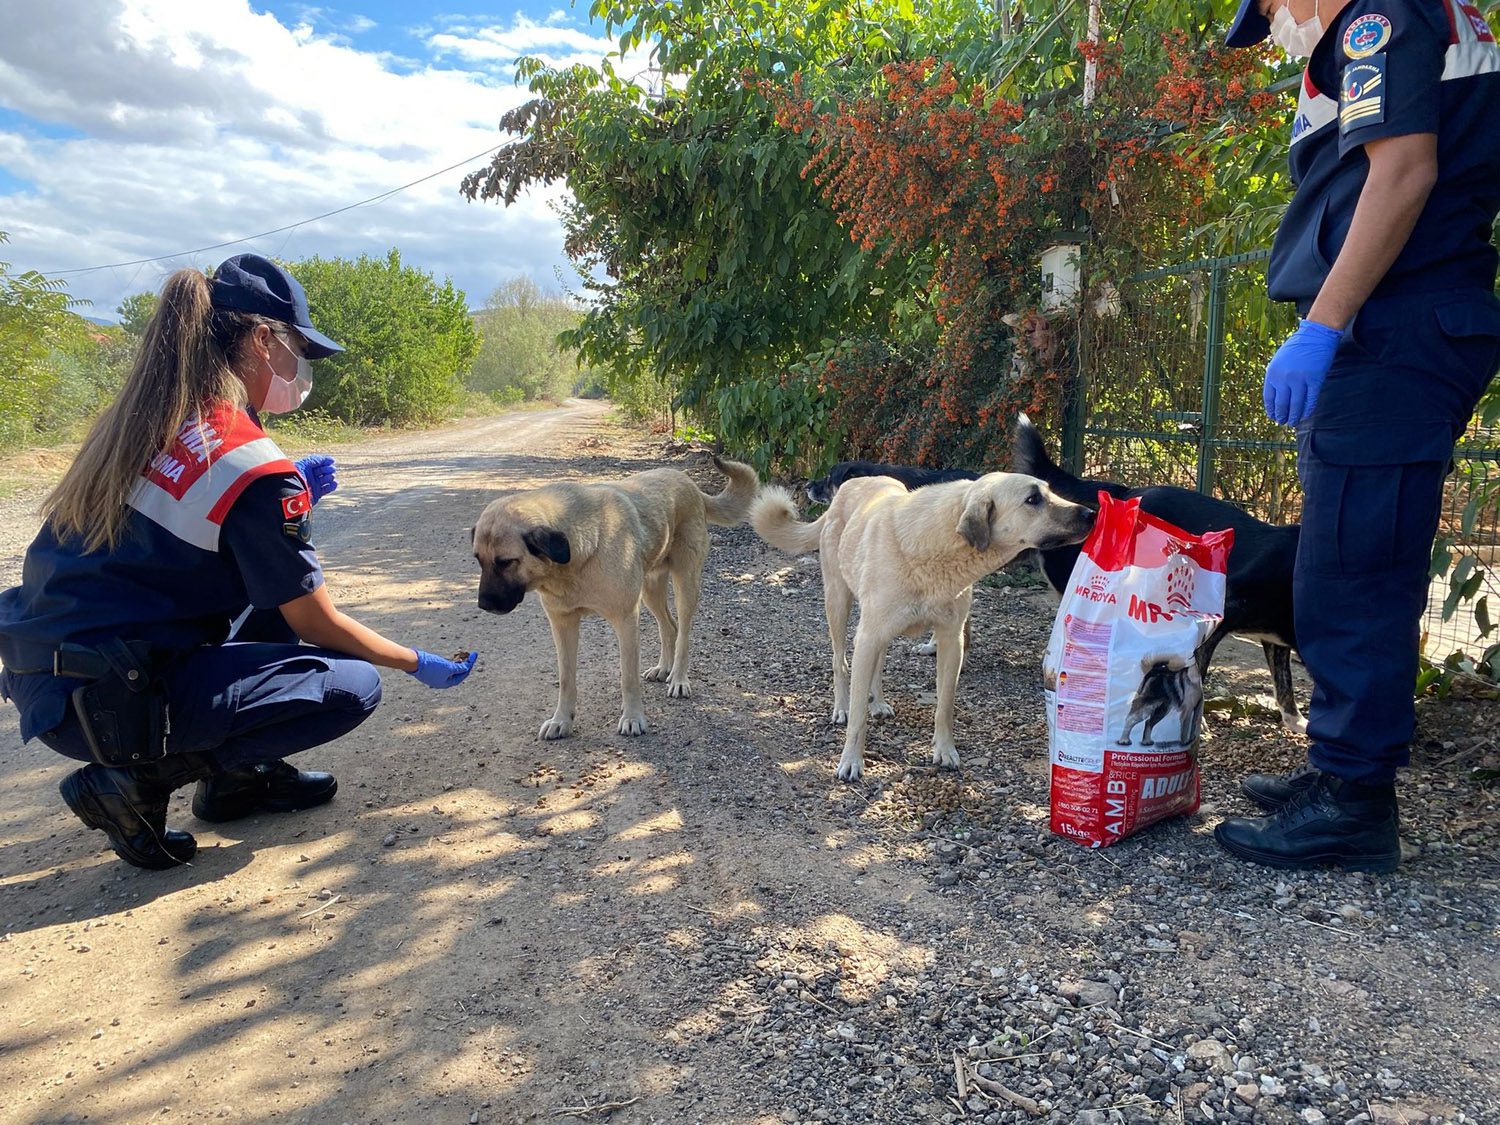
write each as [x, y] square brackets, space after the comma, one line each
[1170, 393]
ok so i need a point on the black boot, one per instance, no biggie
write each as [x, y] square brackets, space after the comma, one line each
[1332, 821]
[1275, 791]
[129, 805]
[264, 787]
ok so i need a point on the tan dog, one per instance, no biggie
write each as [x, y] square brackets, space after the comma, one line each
[911, 560]
[602, 548]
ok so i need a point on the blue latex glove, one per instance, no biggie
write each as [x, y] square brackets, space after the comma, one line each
[1296, 372]
[440, 672]
[320, 473]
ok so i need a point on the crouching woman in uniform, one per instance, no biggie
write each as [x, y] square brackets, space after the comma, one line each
[178, 523]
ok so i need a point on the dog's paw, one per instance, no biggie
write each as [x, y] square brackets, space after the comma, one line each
[840, 716]
[945, 754]
[555, 728]
[632, 725]
[926, 648]
[882, 710]
[658, 675]
[1294, 723]
[851, 768]
[680, 689]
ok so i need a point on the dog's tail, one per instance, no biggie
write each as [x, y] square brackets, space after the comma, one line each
[774, 517]
[1029, 455]
[731, 505]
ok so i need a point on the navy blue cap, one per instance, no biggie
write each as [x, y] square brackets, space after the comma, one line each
[251, 284]
[1249, 26]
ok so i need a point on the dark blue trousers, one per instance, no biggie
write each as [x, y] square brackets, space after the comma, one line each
[1372, 460]
[254, 700]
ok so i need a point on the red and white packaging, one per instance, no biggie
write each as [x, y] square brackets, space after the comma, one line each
[1124, 698]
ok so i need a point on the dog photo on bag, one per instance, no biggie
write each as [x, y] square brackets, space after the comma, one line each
[1170, 685]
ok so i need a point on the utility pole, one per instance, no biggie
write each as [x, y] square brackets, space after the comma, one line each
[1090, 68]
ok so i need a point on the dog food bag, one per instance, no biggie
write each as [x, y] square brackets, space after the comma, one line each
[1124, 696]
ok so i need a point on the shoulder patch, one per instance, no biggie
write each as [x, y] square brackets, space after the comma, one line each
[296, 505]
[300, 529]
[1366, 35]
[1362, 94]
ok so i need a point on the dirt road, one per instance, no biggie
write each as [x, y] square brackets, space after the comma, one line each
[701, 924]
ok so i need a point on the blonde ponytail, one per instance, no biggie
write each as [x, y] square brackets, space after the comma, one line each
[184, 366]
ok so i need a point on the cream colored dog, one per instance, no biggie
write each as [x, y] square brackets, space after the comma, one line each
[911, 560]
[602, 548]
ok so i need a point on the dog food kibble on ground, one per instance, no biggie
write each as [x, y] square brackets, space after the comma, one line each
[1124, 694]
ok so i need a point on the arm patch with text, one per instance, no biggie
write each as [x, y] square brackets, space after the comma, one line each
[1362, 94]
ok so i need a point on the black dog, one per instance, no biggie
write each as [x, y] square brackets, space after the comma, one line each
[822, 490]
[1258, 597]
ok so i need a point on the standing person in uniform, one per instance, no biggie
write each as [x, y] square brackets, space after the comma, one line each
[179, 518]
[1386, 250]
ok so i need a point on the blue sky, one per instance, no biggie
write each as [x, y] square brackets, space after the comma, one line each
[131, 129]
[404, 29]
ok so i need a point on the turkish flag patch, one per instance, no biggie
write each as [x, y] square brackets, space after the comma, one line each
[297, 505]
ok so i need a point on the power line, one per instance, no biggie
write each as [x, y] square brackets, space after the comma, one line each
[278, 230]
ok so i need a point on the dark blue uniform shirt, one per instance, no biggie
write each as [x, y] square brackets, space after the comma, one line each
[1389, 68]
[156, 586]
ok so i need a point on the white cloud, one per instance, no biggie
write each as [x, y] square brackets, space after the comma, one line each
[173, 124]
[525, 37]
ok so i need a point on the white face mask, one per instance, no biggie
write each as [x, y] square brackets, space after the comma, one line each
[285, 395]
[1296, 39]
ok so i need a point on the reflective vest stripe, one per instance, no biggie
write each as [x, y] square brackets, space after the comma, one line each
[197, 516]
[1315, 109]
[279, 465]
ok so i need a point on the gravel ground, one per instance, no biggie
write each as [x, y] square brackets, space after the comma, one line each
[1155, 980]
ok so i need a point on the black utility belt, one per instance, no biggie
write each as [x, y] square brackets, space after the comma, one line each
[122, 705]
[89, 662]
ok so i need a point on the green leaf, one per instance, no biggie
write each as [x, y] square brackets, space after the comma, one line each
[1471, 512]
[1426, 678]
[1442, 556]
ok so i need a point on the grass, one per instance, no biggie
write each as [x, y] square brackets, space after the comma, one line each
[34, 470]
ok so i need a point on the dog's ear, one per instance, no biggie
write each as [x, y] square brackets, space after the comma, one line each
[548, 543]
[469, 531]
[974, 524]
